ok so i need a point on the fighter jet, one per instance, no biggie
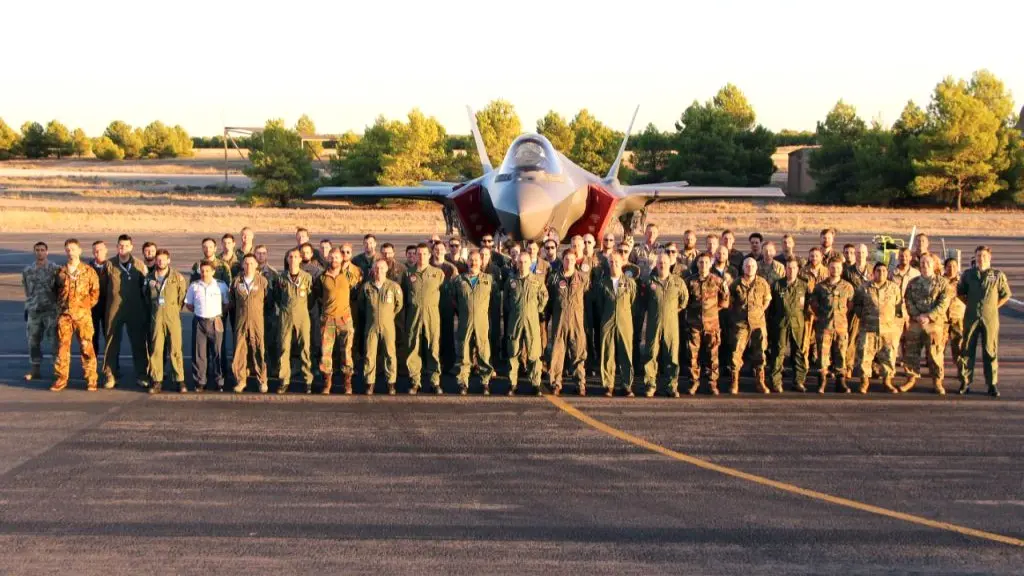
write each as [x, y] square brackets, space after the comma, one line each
[536, 189]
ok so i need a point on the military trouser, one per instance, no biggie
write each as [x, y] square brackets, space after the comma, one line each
[988, 333]
[77, 326]
[374, 336]
[296, 327]
[616, 352]
[336, 332]
[230, 339]
[250, 352]
[447, 351]
[591, 325]
[743, 335]
[829, 343]
[639, 331]
[931, 340]
[571, 343]
[665, 343]
[789, 341]
[810, 341]
[402, 344]
[955, 336]
[315, 336]
[727, 338]
[468, 337]
[272, 342]
[880, 347]
[99, 327]
[495, 332]
[529, 340]
[165, 332]
[41, 326]
[137, 338]
[424, 343]
[684, 349]
[706, 342]
[851, 345]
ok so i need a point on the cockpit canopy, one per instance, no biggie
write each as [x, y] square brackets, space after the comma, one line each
[530, 153]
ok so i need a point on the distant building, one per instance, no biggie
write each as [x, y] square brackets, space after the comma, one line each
[800, 184]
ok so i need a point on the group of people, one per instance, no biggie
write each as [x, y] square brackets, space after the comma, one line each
[565, 309]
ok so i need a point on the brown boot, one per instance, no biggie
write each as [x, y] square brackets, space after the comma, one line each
[327, 383]
[348, 384]
[939, 389]
[60, 385]
[865, 382]
[911, 381]
[841, 384]
[888, 385]
[759, 376]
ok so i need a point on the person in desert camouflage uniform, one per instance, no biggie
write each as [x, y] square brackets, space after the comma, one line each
[78, 289]
[954, 313]
[927, 300]
[875, 303]
[40, 306]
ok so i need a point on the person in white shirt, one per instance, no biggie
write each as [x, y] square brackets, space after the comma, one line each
[207, 299]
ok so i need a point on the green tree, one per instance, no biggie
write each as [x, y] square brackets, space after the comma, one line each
[33, 140]
[58, 139]
[80, 143]
[652, 150]
[712, 147]
[418, 152]
[306, 127]
[553, 127]
[960, 147]
[162, 141]
[131, 142]
[280, 169]
[105, 149]
[733, 102]
[181, 142]
[499, 126]
[359, 160]
[10, 141]
[594, 144]
[834, 165]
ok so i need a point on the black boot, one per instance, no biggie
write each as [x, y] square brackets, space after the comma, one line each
[993, 391]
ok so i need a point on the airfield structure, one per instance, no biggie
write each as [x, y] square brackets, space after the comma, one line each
[231, 131]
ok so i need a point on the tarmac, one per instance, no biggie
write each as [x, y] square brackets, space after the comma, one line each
[122, 482]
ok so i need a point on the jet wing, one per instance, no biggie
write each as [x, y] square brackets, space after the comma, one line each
[437, 192]
[673, 191]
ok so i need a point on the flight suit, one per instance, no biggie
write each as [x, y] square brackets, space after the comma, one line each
[831, 304]
[76, 295]
[447, 315]
[472, 295]
[497, 274]
[876, 304]
[125, 310]
[708, 297]
[164, 300]
[249, 301]
[981, 291]
[955, 324]
[928, 296]
[41, 310]
[592, 314]
[638, 273]
[568, 337]
[617, 331]
[525, 297]
[663, 301]
[787, 320]
[314, 269]
[99, 311]
[856, 277]
[354, 346]
[293, 303]
[271, 322]
[422, 290]
[748, 303]
[380, 307]
[365, 263]
[727, 273]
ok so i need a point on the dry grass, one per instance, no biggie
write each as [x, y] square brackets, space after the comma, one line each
[115, 209]
[205, 161]
[72, 182]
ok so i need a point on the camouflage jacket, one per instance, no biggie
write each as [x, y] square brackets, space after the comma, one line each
[748, 301]
[955, 312]
[707, 297]
[40, 296]
[77, 293]
[831, 303]
[876, 305]
[929, 296]
[902, 278]
[771, 271]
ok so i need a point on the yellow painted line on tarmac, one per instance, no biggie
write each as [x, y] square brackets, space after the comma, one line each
[627, 437]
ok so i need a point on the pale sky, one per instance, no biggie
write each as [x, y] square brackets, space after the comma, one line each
[204, 64]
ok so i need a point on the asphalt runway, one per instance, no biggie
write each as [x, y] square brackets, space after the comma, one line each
[121, 482]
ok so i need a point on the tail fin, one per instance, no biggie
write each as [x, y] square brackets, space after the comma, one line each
[613, 172]
[484, 160]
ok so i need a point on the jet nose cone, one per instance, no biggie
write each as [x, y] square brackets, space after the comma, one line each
[524, 209]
